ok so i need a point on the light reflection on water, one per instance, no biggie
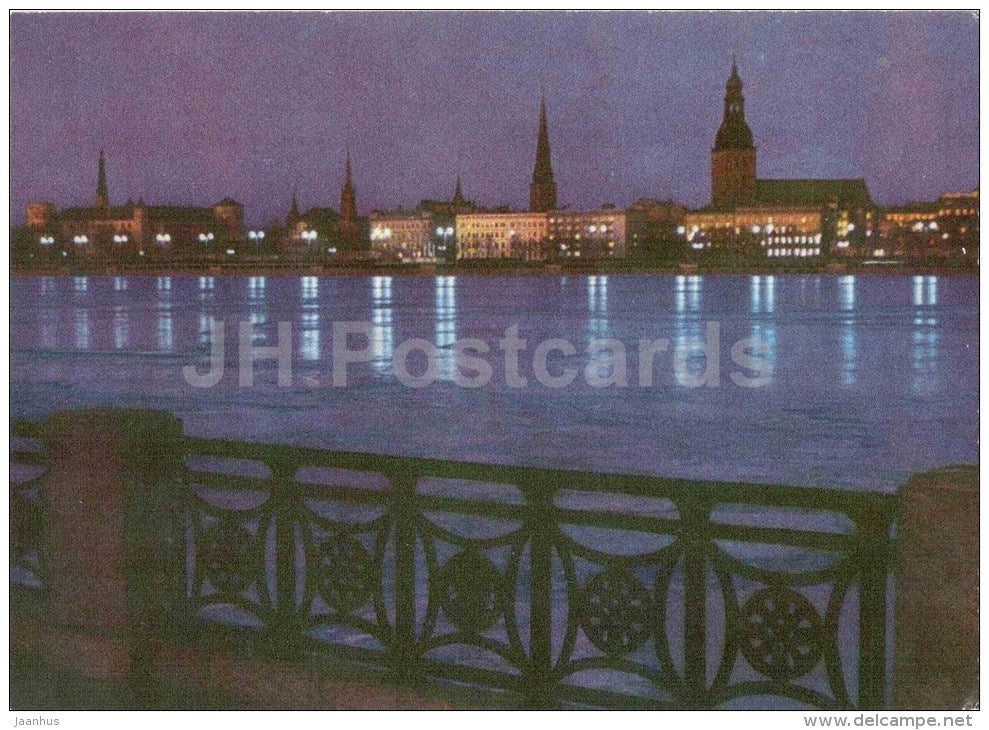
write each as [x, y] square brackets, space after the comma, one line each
[924, 355]
[869, 371]
[382, 335]
[445, 323]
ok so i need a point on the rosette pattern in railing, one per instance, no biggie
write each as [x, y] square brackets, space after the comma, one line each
[563, 587]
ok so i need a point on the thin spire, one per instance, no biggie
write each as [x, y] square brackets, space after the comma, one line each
[348, 198]
[102, 197]
[542, 191]
[458, 195]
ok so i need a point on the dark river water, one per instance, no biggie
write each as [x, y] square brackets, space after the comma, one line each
[865, 379]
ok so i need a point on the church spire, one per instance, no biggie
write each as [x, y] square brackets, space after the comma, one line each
[734, 133]
[458, 195]
[348, 198]
[542, 191]
[293, 212]
[102, 196]
[733, 157]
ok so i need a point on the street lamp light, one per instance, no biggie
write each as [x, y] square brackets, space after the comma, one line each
[445, 234]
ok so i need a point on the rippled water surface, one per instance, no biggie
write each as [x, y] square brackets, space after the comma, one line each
[873, 377]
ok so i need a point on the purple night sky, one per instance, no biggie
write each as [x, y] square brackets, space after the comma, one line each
[193, 107]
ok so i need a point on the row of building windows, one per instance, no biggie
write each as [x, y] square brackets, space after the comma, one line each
[793, 252]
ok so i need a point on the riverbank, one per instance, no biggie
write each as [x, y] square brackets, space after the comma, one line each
[490, 268]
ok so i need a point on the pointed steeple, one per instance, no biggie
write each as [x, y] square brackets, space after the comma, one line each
[733, 157]
[458, 195]
[542, 191]
[734, 133]
[348, 198]
[293, 212]
[102, 196]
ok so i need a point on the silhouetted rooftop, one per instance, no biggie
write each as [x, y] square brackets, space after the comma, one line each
[812, 192]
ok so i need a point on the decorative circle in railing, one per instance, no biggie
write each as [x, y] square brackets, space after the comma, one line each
[615, 611]
[227, 554]
[780, 633]
[470, 589]
[345, 573]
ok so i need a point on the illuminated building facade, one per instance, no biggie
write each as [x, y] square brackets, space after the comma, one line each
[133, 230]
[959, 222]
[945, 228]
[590, 234]
[402, 235]
[429, 232]
[502, 235]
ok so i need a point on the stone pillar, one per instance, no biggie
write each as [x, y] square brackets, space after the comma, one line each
[110, 547]
[936, 641]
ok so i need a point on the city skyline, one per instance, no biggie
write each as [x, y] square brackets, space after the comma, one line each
[162, 146]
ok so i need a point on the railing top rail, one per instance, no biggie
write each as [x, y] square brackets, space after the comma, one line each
[526, 477]
[534, 477]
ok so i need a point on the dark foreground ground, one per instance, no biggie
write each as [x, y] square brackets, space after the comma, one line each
[35, 687]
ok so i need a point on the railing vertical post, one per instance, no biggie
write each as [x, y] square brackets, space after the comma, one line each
[936, 649]
[695, 517]
[406, 664]
[286, 629]
[539, 684]
[874, 558]
[115, 554]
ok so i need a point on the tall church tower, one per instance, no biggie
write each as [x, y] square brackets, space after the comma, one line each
[458, 195]
[293, 213]
[348, 199]
[348, 226]
[542, 191]
[102, 199]
[733, 155]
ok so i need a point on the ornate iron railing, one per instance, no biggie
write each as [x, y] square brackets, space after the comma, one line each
[28, 462]
[564, 587]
